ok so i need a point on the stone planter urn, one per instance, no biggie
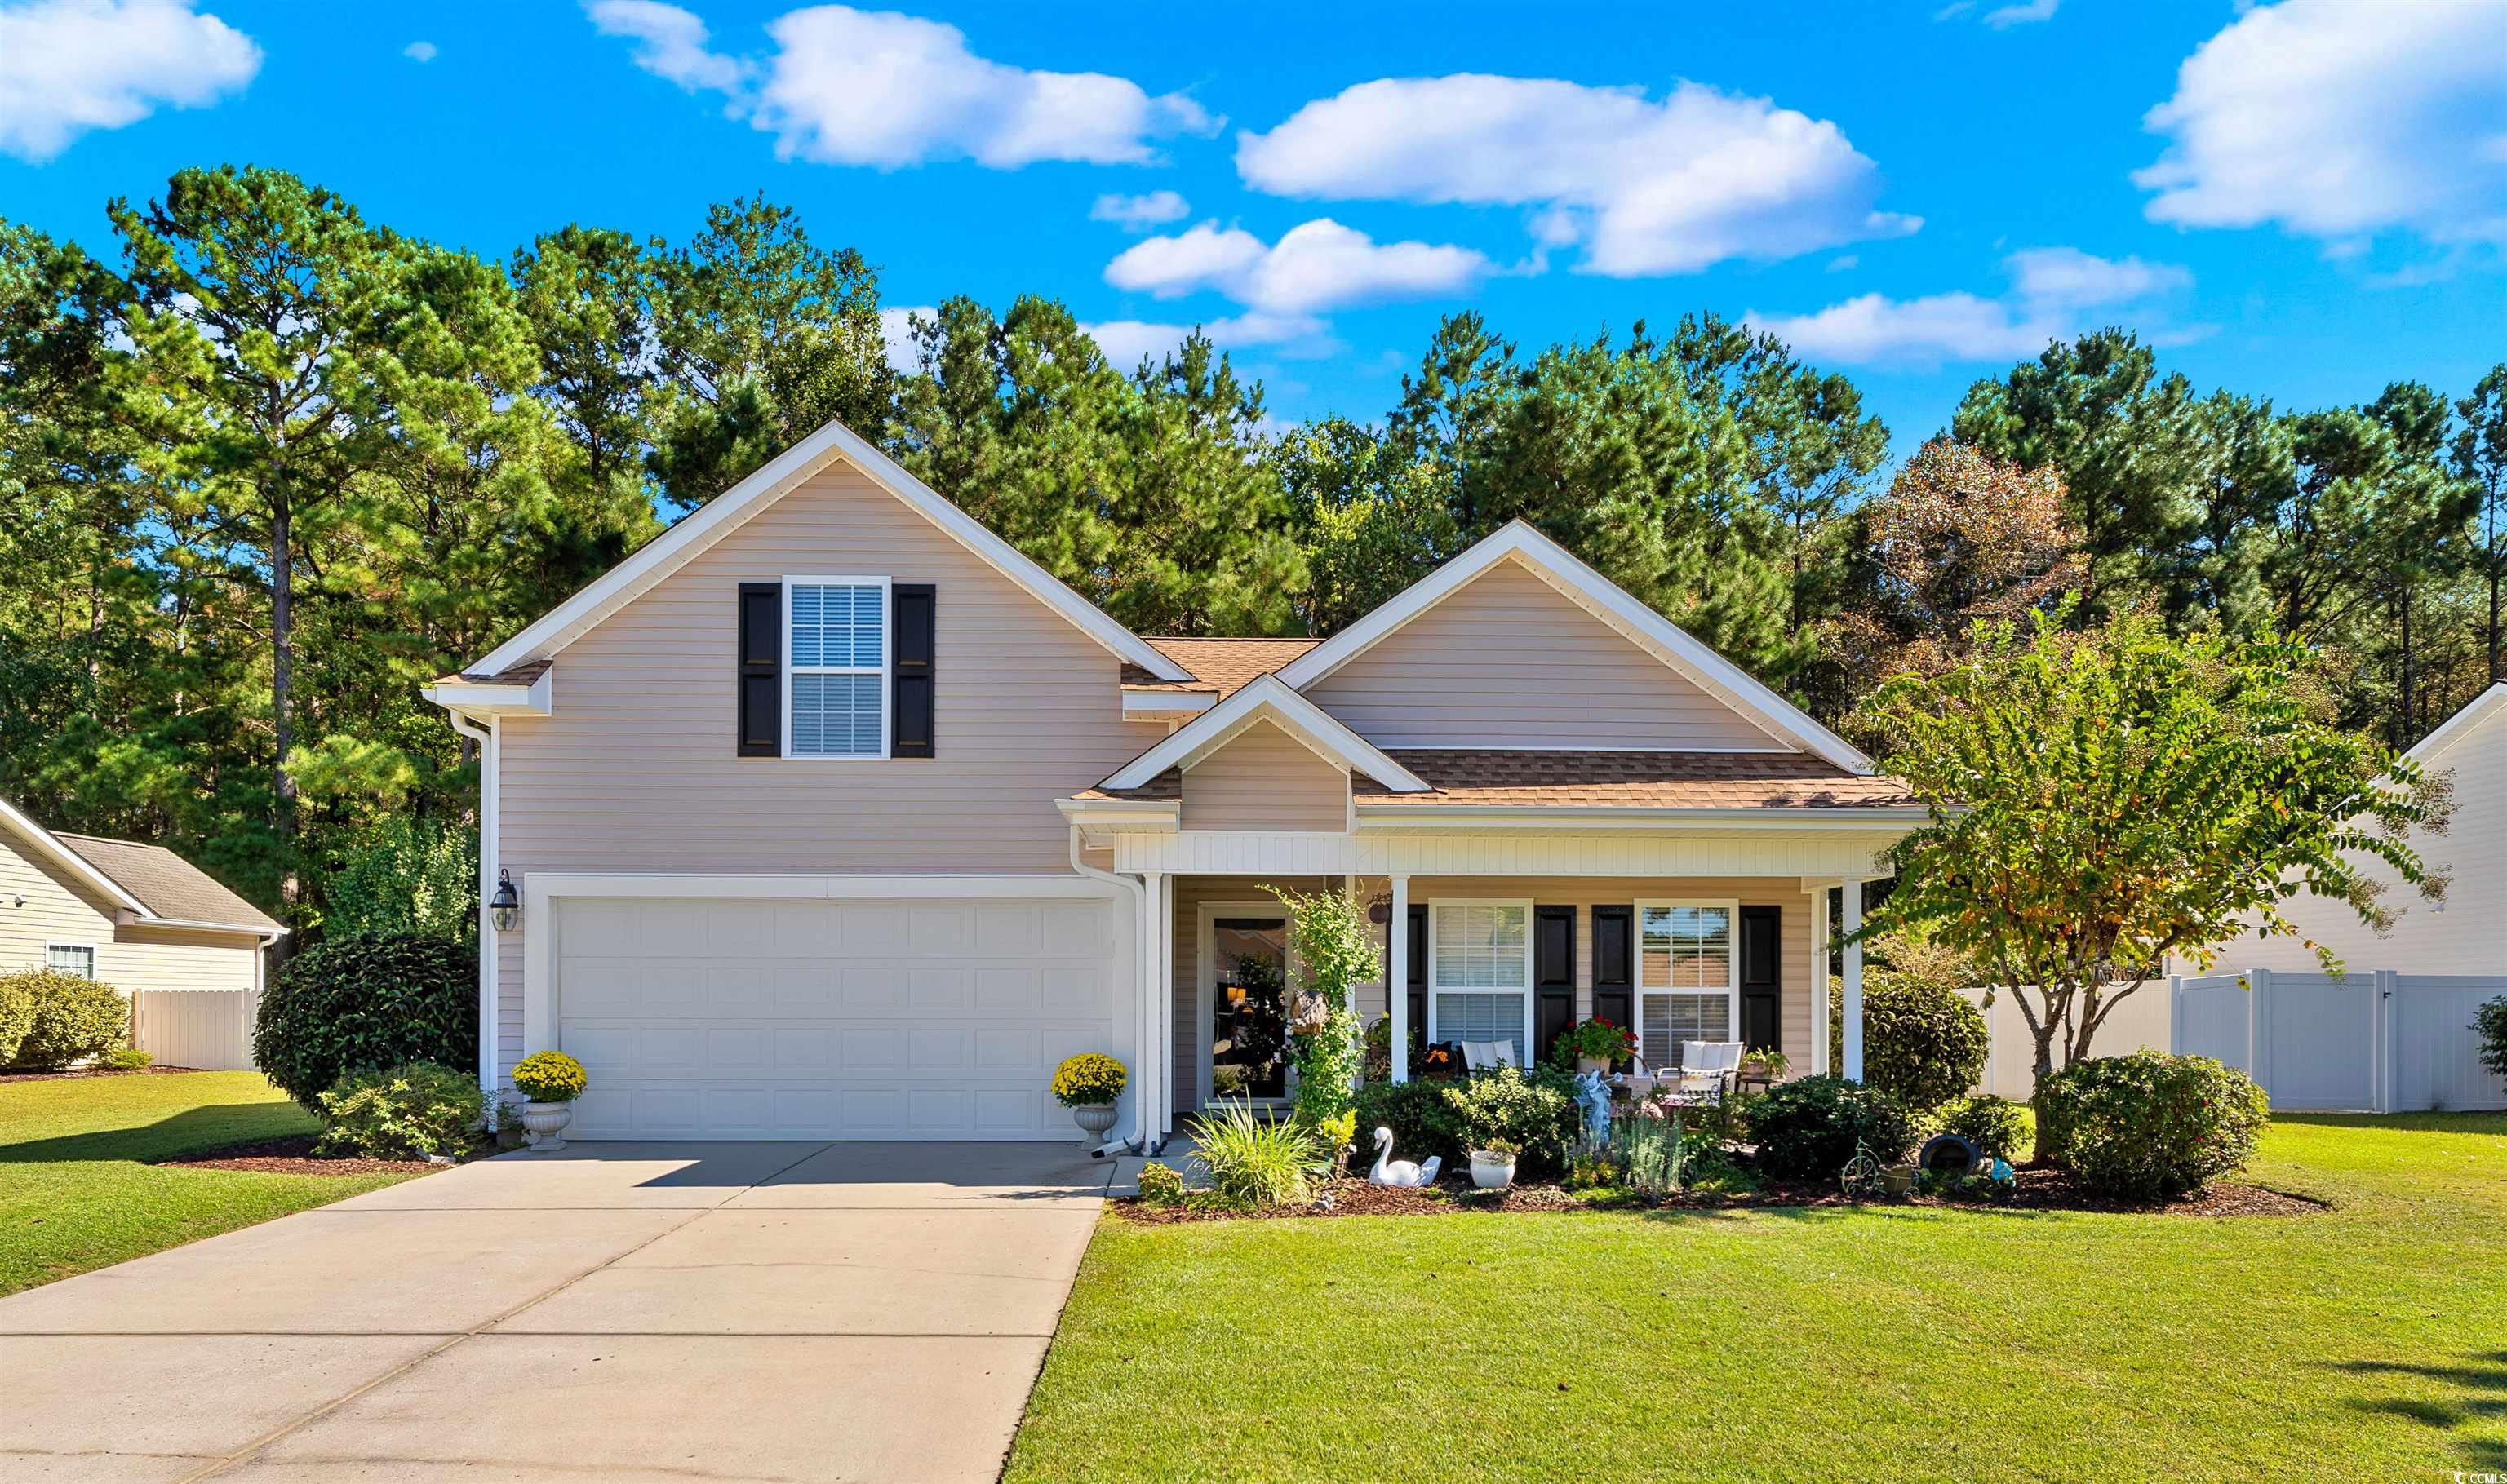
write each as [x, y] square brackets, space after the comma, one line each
[1094, 1119]
[1492, 1171]
[546, 1122]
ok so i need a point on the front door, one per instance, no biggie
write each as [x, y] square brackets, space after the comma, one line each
[1249, 1009]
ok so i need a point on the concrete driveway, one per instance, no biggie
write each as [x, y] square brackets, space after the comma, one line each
[619, 1311]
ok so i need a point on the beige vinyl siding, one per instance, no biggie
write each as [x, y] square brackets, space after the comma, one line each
[1793, 972]
[1510, 662]
[56, 909]
[635, 771]
[1266, 780]
[141, 958]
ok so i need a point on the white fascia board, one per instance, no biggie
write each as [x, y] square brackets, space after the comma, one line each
[71, 860]
[1121, 813]
[1606, 600]
[672, 549]
[2461, 725]
[131, 918]
[1394, 818]
[472, 699]
[1147, 705]
[1269, 699]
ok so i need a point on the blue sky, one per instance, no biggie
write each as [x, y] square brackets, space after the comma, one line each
[2302, 200]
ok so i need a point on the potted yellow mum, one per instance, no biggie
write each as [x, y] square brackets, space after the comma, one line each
[552, 1080]
[1088, 1084]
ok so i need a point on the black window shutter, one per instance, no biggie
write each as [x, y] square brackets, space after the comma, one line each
[760, 680]
[1763, 956]
[1553, 976]
[1615, 979]
[1418, 971]
[912, 627]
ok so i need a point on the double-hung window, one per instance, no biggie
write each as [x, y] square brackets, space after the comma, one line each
[1479, 973]
[1688, 986]
[835, 667]
[70, 958]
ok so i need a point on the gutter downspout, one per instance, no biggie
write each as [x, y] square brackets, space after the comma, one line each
[1141, 1138]
[486, 739]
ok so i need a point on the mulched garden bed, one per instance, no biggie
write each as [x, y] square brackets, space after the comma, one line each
[292, 1156]
[2040, 1190]
[89, 1072]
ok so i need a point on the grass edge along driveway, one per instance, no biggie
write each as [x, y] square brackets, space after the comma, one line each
[77, 1191]
[1879, 1343]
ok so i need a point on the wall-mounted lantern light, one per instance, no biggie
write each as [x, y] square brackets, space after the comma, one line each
[504, 907]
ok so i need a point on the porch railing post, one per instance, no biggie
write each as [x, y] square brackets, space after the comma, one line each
[1852, 1009]
[1397, 978]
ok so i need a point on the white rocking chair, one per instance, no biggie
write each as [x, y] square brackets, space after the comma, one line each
[1707, 1070]
[1480, 1056]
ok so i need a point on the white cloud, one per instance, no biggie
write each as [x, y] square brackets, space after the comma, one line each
[1319, 265]
[1140, 213]
[876, 88]
[2051, 289]
[1639, 186]
[1844, 262]
[420, 50]
[2023, 14]
[68, 66]
[896, 328]
[1126, 341]
[2339, 118]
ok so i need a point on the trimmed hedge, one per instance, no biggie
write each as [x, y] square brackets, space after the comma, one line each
[2149, 1126]
[407, 1112]
[1808, 1129]
[58, 1019]
[361, 1003]
[1922, 1044]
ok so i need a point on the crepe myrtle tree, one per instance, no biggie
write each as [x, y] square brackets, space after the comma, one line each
[2101, 800]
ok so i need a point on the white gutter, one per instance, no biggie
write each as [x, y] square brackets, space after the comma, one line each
[1140, 1134]
[1607, 816]
[273, 934]
[486, 737]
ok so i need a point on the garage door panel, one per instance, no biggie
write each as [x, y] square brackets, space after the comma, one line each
[830, 1019]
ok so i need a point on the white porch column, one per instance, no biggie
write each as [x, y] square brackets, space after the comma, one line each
[1397, 978]
[1154, 1076]
[1819, 978]
[1852, 1009]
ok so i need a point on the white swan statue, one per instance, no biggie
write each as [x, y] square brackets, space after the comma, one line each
[1400, 1173]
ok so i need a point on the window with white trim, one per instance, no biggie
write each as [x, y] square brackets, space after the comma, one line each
[70, 958]
[1689, 977]
[1479, 973]
[835, 667]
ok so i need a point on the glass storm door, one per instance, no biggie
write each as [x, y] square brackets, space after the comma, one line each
[1248, 1012]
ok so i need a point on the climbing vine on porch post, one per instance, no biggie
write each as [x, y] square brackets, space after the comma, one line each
[1331, 952]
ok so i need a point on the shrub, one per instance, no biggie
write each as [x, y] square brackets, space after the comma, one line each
[127, 1059]
[1160, 1184]
[1088, 1080]
[65, 1018]
[1422, 1121]
[550, 1076]
[2149, 1126]
[16, 1015]
[1923, 1043]
[1535, 1111]
[401, 1113]
[1996, 1125]
[2490, 1021]
[1254, 1163]
[360, 1003]
[1808, 1128]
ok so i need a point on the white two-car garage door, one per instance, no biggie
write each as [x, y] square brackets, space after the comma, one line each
[826, 1019]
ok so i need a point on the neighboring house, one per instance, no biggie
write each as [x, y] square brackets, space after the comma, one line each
[832, 815]
[187, 952]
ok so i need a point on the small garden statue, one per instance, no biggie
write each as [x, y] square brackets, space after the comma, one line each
[1593, 1095]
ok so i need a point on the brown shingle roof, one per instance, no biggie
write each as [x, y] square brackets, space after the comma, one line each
[1166, 785]
[171, 885]
[520, 674]
[1634, 780]
[1225, 666]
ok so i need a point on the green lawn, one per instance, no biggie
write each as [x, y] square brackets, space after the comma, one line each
[2370, 1342]
[74, 1190]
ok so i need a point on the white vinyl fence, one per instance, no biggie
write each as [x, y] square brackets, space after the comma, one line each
[2140, 1019]
[206, 1029]
[2372, 1041]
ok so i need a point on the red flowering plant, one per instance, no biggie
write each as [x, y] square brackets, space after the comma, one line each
[1597, 1039]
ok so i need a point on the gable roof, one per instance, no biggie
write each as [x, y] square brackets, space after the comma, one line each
[674, 548]
[1664, 639]
[148, 880]
[1263, 699]
[1223, 665]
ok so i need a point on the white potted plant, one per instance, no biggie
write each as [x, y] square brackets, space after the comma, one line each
[1493, 1163]
[1088, 1084]
[552, 1080]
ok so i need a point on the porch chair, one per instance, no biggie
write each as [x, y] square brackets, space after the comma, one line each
[1479, 1056]
[1707, 1068]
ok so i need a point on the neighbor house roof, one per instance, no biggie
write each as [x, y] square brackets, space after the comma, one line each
[1221, 666]
[150, 881]
[1543, 779]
